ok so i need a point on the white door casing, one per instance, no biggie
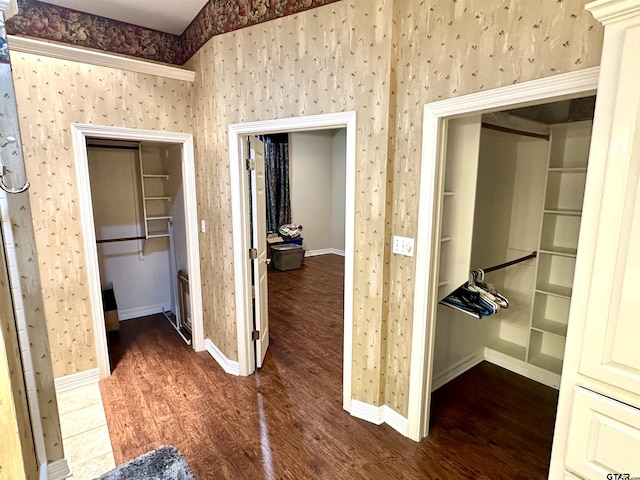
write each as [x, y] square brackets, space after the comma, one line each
[259, 242]
[242, 241]
[79, 133]
[436, 116]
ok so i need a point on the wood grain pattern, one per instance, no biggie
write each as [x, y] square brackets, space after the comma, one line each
[382, 59]
[287, 421]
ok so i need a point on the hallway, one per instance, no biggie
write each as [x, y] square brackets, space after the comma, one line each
[287, 420]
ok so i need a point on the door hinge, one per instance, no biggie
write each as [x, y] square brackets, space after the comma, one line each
[251, 164]
[253, 253]
[255, 335]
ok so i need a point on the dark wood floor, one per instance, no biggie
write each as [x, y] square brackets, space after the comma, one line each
[287, 420]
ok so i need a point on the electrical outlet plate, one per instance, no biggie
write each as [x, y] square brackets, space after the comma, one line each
[403, 245]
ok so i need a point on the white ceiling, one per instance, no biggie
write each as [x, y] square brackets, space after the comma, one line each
[169, 16]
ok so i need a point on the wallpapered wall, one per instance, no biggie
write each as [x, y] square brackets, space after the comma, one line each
[382, 58]
[53, 94]
[347, 56]
[51, 22]
[446, 49]
[20, 248]
[326, 60]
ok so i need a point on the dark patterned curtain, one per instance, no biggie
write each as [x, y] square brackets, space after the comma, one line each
[276, 160]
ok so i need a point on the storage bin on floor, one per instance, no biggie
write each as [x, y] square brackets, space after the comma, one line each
[287, 256]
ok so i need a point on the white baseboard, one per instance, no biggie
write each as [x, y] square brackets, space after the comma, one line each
[229, 366]
[129, 313]
[380, 415]
[456, 370]
[58, 470]
[324, 251]
[520, 367]
[77, 380]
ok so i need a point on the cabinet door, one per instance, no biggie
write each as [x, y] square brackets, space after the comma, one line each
[612, 329]
[604, 437]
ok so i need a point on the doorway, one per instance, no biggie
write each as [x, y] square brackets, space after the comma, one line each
[241, 218]
[436, 122]
[80, 135]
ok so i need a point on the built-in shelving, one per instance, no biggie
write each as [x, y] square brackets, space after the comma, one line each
[155, 198]
[560, 229]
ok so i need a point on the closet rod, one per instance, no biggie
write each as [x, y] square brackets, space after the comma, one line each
[512, 262]
[126, 239]
[513, 130]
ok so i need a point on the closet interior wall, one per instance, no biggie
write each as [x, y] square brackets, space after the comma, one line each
[139, 270]
[505, 196]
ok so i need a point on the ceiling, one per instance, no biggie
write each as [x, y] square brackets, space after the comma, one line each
[168, 16]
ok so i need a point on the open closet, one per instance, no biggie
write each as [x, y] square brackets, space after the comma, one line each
[139, 217]
[511, 203]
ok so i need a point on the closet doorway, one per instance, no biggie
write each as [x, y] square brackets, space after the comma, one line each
[140, 224]
[241, 213]
[532, 344]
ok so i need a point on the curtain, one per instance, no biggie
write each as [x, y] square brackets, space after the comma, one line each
[276, 159]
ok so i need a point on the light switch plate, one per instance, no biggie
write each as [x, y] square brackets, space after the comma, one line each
[403, 246]
[203, 226]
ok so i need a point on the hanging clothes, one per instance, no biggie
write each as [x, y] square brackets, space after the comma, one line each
[475, 297]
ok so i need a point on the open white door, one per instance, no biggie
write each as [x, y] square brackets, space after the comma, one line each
[259, 243]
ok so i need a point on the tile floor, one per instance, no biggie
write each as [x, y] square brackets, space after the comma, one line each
[86, 440]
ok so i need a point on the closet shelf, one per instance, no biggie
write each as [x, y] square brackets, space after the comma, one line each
[445, 239]
[554, 290]
[561, 251]
[547, 362]
[568, 169]
[158, 217]
[154, 175]
[508, 348]
[449, 194]
[157, 198]
[443, 283]
[551, 211]
[158, 234]
[549, 326]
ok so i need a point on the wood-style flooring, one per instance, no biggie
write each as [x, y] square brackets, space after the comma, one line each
[287, 421]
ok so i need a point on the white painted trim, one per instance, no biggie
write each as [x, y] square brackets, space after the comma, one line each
[610, 11]
[436, 115]
[379, 415]
[95, 57]
[241, 234]
[456, 370]
[129, 313]
[79, 133]
[525, 369]
[367, 412]
[324, 251]
[9, 8]
[58, 470]
[77, 380]
[396, 421]
[229, 366]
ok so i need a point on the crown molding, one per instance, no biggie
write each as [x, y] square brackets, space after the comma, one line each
[93, 57]
[610, 11]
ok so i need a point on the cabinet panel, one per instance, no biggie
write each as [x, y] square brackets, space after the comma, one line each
[612, 330]
[604, 436]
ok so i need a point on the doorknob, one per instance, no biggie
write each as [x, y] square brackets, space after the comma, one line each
[266, 260]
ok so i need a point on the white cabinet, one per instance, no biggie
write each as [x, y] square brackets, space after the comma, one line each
[597, 432]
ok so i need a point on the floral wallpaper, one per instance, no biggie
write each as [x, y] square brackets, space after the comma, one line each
[24, 270]
[51, 22]
[221, 16]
